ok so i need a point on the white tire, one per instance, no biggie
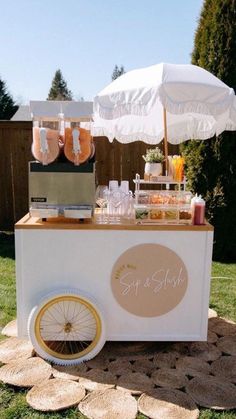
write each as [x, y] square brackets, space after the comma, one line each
[67, 327]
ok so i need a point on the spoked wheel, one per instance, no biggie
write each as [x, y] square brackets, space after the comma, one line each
[67, 328]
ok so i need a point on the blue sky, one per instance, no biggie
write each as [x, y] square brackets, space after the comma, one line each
[86, 39]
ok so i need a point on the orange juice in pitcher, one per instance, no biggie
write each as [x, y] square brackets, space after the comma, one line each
[178, 166]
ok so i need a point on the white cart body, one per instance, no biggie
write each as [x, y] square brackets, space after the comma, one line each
[54, 256]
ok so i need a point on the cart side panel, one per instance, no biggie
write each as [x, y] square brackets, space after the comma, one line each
[51, 260]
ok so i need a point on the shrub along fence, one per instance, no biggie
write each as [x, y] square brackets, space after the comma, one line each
[113, 161]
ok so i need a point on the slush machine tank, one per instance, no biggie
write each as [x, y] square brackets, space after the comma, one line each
[62, 179]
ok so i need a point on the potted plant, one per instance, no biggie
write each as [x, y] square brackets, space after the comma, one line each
[153, 162]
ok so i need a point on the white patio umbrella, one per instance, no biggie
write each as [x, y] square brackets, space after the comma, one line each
[171, 101]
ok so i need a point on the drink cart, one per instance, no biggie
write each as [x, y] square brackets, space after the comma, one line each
[81, 283]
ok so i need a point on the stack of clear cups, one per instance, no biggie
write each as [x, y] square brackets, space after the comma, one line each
[124, 186]
[120, 202]
[113, 186]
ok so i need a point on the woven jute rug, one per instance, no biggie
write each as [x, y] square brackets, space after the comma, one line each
[132, 351]
[26, 372]
[168, 380]
[204, 350]
[109, 404]
[145, 366]
[55, 394]
[212, 392]
[169, 377]
[10, 329]
[167, 360]
[225, 366]
[100, 361]
[135, 383]
[14, 348]
[193, 366]
[96, 379]
[120, 367]
[221, 326]
[167, 403]
[212, 337]
[227, 344]
[69, 372]
[212, 313]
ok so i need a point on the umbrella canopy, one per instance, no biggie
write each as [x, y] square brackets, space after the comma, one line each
[196, 104]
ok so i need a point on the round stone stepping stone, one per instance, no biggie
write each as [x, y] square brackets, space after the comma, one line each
[169, 377]
[212, 337]
[222, 327]
[120, 366]
[98, 380]
[13, 349]
[10, 329]
[165, 360]
[109, 404]
[135, 383]
[69, 372]
[204, 350]
[55, 394]
[193, 366]
[167, 403]
[212, 392]
[144, 366]
[212, 313]
[225, 367]
[227, 344]
[25, 372]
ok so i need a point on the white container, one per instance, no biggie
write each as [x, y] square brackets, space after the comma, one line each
[44, 212]
[153, 169]
[78, 212]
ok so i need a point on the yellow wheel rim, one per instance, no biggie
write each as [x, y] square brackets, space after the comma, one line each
[67, 327]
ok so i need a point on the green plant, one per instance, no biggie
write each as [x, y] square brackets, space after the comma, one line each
[7, 105]
[211, 164]
[59, 89]
[153, 155]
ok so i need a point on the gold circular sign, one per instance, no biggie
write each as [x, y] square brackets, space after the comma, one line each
[149, 280]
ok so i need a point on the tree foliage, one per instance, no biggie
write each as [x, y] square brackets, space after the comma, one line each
[117, 72]
[59, 89]
[7, 106]
[211, 164]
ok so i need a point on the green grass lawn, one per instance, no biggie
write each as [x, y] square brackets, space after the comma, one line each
[12, 401]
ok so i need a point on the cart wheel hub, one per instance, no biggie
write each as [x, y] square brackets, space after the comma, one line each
[67, 327]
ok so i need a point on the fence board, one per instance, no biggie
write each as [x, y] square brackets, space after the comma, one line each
[113, 161]
[15, 142]
[6, 196]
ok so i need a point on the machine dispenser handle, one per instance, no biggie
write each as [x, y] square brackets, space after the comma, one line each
[43, 140]
[76, 144]
[43, 144]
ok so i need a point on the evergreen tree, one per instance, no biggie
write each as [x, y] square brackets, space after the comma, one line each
[59, 89]
[7, 106]
[117, 72]
[211, 164]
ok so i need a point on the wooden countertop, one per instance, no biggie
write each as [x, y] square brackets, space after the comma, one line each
[28, 222]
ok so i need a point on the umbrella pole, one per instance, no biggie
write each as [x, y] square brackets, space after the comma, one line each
[165, 142]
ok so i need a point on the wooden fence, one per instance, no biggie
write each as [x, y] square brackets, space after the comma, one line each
[113, 161]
